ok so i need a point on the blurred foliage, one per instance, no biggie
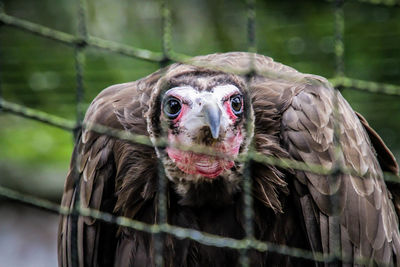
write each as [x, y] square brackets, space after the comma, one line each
[40, 73]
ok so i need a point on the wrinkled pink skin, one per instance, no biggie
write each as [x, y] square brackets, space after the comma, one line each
[193, 120]
[205, 165]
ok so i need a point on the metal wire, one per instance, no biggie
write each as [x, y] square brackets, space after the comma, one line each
[79, 65]
[1, 56]
[372, 87]
[248, 212]
[179, 232]
[83, 40]
[339, 32]
[381, 2]
[72, 40]
[80, 59]
[161, 196]
[334, 219]
[69, 125]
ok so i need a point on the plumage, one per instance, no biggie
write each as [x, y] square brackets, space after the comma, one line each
[210, 102]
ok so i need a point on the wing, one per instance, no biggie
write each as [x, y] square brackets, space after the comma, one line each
[387, 161]
[361, 206]
[107, 174]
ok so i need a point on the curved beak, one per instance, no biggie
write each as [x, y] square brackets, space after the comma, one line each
[212, 114]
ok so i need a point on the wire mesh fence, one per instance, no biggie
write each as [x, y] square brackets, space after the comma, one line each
[84, 40]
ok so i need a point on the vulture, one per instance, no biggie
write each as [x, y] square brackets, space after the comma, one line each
[230, 104]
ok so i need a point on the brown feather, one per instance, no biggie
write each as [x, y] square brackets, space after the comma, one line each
[293, 118]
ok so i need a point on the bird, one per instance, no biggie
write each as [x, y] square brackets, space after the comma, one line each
[231, 104]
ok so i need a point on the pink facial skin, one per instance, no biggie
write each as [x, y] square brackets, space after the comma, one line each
[205, 165]
[227, 106]
[183, 110]
[196, 163]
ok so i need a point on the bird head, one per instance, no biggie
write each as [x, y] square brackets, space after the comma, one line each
[202, 115]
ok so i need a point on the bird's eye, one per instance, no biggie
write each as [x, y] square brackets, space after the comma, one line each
[172, 107]
[237, 104]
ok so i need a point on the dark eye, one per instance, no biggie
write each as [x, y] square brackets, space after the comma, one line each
[237, 104]
[172, 107]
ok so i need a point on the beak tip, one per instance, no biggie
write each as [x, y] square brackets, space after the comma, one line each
[215, 133]
[213, 118]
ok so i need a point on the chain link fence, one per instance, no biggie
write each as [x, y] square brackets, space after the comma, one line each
[83, 40]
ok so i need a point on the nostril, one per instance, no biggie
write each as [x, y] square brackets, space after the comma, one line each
[205, 131]
[205, 136]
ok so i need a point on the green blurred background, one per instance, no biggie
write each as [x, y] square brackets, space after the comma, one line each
[40, 73]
